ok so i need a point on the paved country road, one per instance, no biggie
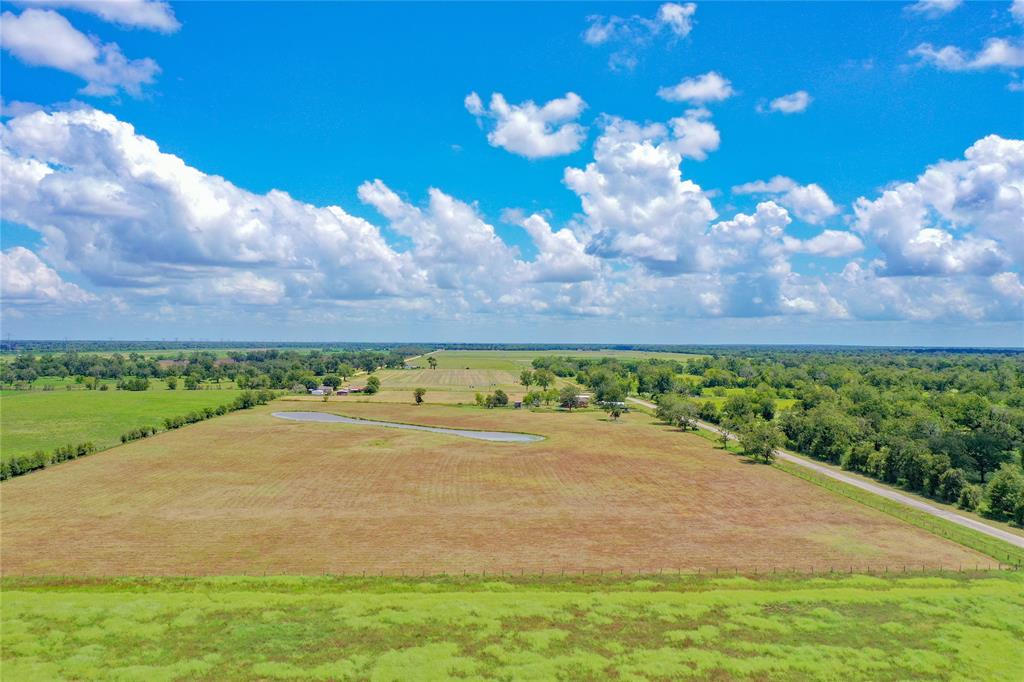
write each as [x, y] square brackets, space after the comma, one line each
[887, 493]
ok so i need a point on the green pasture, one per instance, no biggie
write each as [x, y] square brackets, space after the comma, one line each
[44, 420]
[934, 627]
[719, 401]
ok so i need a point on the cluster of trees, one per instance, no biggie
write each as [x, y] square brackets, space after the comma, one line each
[949, 425]
[23, 464]
[541, 377]
[546, 396]
[133, 384]
[497, 399]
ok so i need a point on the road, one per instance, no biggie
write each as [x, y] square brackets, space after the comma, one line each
[883, 491]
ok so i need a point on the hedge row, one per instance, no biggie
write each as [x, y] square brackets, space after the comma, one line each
[23, 464]
[136, 434]
[244, 401]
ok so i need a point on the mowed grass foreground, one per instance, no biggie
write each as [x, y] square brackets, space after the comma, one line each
[43, 420]
[941, 627]
[250, 493]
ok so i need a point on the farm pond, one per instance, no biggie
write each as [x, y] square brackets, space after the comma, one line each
[497, 436]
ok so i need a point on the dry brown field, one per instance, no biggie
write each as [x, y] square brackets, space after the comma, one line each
[248, 493]
[483, 380]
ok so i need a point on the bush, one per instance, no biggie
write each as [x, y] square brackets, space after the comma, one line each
[951, 484]
[970, 497]
[132, 384]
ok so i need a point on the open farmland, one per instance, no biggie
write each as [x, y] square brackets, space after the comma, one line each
[249, 493]
[446, 379]
[853, 628]
[43, 420]
[517, 360]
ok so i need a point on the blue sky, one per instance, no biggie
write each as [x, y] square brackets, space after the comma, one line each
[318, 100]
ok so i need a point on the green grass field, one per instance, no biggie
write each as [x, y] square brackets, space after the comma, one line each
[44, 420]
[518, 360]
[928, 627]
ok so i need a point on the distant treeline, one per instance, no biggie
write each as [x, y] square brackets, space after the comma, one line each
[23, 464]
[411, 348]
[269, 368]
[949, 426]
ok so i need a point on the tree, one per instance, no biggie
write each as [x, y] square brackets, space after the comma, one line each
[526, 378]
[686, 419]
[345, 371]
[432, 361]
[372, 385]
[172, 382]
[327, 394]
[550, 395]
[1004, 495]
[951, 484]
[191, 382]
[760, 439]
[480, 399]
[614, 411]
[988, 446]
[533, 398]
[725, 431]
[569, 396]
[332, 381]
[133, 384]
[678, 411]
[543, 378]
[497, 399]
[418, 394]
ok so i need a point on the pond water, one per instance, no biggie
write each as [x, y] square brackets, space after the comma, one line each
[499, 436]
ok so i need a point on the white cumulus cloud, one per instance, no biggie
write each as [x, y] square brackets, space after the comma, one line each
[530, 130]
[830, 243]
[959, 217]
[154, 15]
[25, 279]
[709, 87]
[997, 53]
[41, 37]
[933, 9]
[635, 201]
[793, 103]
[634, 32]
[809, 203]
[112, 206]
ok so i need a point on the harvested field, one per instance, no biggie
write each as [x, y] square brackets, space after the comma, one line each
[248, 493]
[482, 380]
